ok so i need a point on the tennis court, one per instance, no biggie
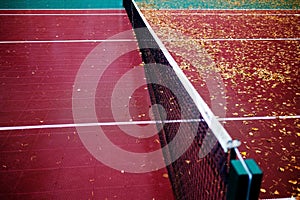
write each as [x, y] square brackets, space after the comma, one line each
[41, 52]
[257, 54]
[74, 92]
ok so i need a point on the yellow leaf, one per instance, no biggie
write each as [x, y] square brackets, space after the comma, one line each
[294, 182]
[244, 153]
[165, 175]
[263, 190]
[281, 169]
[245, 122]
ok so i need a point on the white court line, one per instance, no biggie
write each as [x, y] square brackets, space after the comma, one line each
[230, 14]
[236, 39]
[62, 9]
[289, 198]
[65, 41]
[66, 14]
[134, 40]
[229, 10]
[52, 126]
[250, 39]
[258, 118]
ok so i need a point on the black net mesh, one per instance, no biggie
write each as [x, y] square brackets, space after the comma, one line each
[194, 174]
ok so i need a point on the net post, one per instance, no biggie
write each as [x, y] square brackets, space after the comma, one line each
[238, 181]
[124, 3]
[240, 184]
[257, 175]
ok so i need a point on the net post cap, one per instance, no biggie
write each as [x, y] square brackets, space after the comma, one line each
[233, 144]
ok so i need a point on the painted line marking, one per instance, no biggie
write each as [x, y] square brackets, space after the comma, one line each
[229, 10]
[63, 9]
[52, 126]
[236, 39]
[65, 41]
[229, 14]
[134, 40]
[258, 118]
[251, 39]
[66, 14]
[289, 198]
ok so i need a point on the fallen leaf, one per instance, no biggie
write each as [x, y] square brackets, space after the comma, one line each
[165, 175]
[281, 169]
[188, 161]
[263, 190]
[294, 182]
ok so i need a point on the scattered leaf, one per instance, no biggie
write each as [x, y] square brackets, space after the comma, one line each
[294, 182]
[281, 169]
[165, 175]
[263, 190]
[92, 180]
[244, 153]
[32, 158]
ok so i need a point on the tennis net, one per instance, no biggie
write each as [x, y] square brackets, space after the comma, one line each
[197, 149]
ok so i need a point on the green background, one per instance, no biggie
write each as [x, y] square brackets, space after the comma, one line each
[157, 4]
[220, 4]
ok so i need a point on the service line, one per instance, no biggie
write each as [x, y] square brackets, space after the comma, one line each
[216, 12]
[64, 41]
[126, 123]
[235, 39]
[64, 14]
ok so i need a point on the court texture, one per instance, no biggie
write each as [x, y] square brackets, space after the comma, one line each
[60, 67]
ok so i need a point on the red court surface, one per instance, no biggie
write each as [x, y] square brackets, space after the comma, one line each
[252, 59]
[41, 53]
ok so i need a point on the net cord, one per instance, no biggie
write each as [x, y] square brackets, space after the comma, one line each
[218, 130]
[239, 156]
